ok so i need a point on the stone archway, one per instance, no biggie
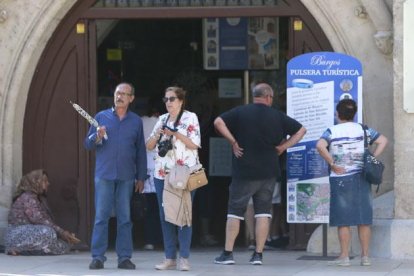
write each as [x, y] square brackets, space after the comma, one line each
[25, 33]
[25, 43]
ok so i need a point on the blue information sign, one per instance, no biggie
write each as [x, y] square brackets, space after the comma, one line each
[316, 83]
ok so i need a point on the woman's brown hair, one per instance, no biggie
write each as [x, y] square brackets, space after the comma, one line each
[179, 92]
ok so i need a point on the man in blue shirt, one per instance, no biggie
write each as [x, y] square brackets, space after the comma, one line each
[120, 164]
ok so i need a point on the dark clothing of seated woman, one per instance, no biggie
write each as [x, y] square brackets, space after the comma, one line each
[31, 229]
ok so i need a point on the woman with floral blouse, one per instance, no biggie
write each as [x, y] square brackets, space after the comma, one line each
[182, 127]
[31, 228]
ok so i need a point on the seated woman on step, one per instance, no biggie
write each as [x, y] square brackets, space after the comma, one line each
[31, 228]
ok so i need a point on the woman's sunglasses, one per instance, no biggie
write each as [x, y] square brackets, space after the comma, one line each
[171, 99]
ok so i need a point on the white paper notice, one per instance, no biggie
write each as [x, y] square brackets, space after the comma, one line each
[313, 108]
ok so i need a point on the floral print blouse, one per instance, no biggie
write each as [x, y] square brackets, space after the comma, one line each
[188, 126]
[28, 209]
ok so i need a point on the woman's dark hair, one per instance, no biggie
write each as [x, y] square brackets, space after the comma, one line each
[346, 109]
[179, 92]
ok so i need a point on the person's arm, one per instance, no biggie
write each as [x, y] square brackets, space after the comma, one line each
[155, 135]
[36, 214]
[221, 127]
[322, 147]
[186, 140]
[152, 141]
[380, 144]
[94, 136]
[191, 139]
[294, 139]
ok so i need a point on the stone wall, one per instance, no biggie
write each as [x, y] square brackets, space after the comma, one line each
[25, 28]
[404, 126]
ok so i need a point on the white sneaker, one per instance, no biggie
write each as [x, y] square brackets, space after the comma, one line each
[166, 265]
[183, 264]
[365, 261]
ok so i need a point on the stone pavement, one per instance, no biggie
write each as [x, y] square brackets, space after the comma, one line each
[276, 262]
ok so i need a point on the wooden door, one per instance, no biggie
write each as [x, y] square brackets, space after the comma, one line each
[54, 132]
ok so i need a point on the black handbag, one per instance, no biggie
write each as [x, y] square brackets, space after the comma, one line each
[138, 206]
[373, 168]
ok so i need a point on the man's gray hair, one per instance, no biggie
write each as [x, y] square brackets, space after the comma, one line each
[262, 90]
[126, 83]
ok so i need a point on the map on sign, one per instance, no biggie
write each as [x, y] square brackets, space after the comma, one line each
[312, 201]
[308, 202]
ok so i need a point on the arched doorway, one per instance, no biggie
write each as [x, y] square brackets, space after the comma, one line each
[54, 133]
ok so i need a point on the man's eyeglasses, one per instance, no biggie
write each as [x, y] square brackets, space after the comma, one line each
[171, 99]
[122, 94]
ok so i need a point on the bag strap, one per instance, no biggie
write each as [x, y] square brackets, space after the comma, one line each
[165, 122]
[364, 128]
[177, 120]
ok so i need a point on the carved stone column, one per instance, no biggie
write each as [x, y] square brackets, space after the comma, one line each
[381, 17]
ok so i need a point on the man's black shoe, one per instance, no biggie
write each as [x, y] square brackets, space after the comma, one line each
[127, 264]
[96, 264]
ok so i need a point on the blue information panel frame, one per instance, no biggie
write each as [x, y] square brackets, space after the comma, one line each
[316, 82]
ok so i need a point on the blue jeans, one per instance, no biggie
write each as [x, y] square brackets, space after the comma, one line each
[108, 193]
[169, 230]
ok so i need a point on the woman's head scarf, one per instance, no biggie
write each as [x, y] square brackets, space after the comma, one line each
[31, 182]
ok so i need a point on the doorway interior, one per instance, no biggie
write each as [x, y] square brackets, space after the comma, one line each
[153, 54]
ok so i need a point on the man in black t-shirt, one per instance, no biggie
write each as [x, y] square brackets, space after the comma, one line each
[256, 132]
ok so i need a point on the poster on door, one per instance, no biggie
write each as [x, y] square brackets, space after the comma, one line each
[211, 43]
[316, 82]
[263, 43]
[233, 43]
[241, 43]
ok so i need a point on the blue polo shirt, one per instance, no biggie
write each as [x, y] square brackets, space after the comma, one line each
[123, 155]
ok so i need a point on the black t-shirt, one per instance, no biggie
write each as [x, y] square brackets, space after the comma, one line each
[258, 129]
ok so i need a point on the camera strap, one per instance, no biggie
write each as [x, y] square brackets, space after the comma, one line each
[165, 123]
[175, 124]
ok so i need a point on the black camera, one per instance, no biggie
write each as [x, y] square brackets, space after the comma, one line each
[164, 147]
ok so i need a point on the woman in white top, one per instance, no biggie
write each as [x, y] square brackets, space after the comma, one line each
[182, 128]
